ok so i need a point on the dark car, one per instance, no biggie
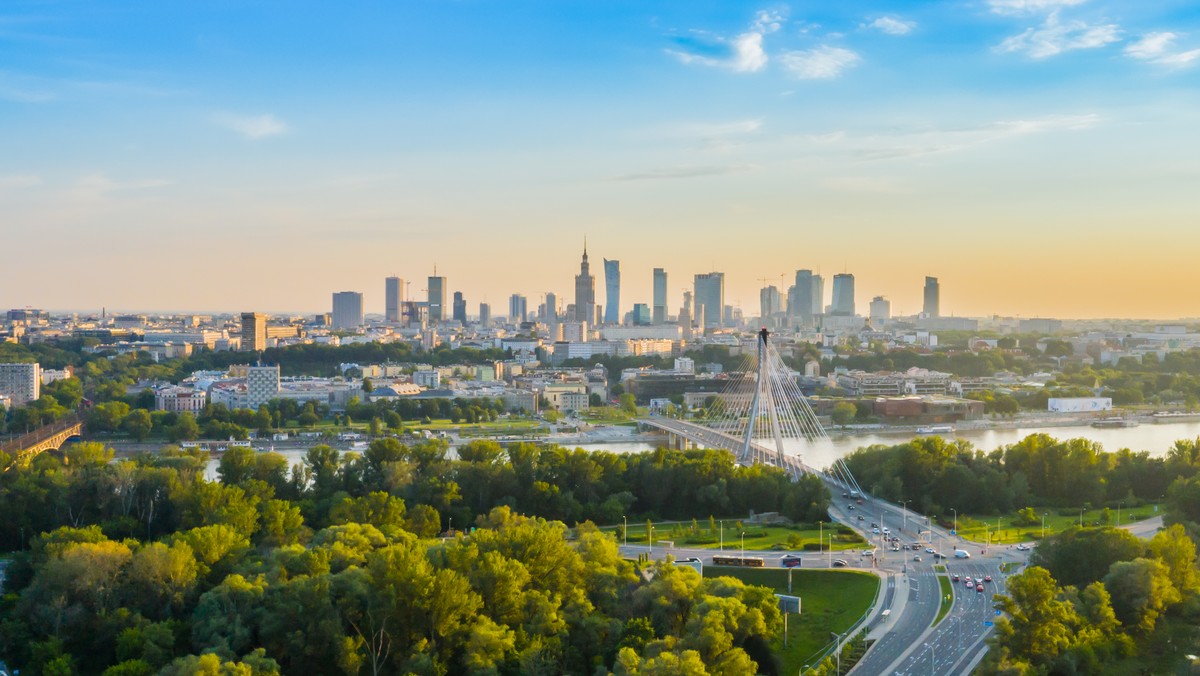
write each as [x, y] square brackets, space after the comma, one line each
[840, 563]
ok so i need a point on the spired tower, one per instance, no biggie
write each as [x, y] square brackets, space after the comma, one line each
[585, 291]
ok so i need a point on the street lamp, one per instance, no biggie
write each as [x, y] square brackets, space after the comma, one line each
[1043, 525]
[1081, 517]
[955, 520]
[722, 536]
[651, 541]
[839, 652]
[625, 529]
[743, 544]
[932, 657]
[904, 510]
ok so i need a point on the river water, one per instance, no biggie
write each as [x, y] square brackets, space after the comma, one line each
[1156, 438]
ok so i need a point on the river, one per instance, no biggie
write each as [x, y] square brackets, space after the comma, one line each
[1156, 438]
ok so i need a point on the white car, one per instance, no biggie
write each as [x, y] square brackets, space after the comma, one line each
[1023, 547]
[929, 550]
[875, 531]
[886, 530]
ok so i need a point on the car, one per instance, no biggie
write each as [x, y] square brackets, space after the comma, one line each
[929, 550]
[978, 587]
[956, 578]
[1023, 547]
[861, 518]
[850, 507]
[875, 531]
[895, 549]
[968, 580]
[790, 561]
[868, 552]
[917, 557]
[987, 578]
[874, 525]
[845, 495]
[886, 530]
[840, 563]
[939, 555]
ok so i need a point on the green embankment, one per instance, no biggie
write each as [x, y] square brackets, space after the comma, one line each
[831, 602]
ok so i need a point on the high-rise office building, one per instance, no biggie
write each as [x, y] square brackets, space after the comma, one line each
[770, 302]
[881, 311]
[22, 383]
[660, 296]
[347, 310]
[843, 294]
[641, 314]
[254, 331]
[933, 298]
[805, 298]
[551, 314]
[262, 385]
[436, 297]
[459, 308]
[393, 291]
[612, 292]
[585, 292]
[518, 307]
[485, 313]
[710, 299]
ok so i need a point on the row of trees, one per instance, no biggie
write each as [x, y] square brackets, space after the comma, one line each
[937, 474]
[143, 565]
[1093, 597]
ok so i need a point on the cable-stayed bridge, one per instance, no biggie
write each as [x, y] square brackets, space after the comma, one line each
[762, 417]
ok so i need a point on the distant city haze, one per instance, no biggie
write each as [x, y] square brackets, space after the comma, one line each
[1037, 158]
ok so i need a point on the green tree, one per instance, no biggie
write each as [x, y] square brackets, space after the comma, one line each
[843, 412]
[1141, 591]
[137, 424]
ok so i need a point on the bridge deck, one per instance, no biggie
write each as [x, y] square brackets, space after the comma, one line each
[710, 438]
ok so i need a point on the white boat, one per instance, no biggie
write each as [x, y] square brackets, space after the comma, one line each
[936, 429]
[1176, 416]
[1106, 423]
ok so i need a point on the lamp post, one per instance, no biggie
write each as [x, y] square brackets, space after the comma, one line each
[625, 529]
[904, 510]
[1043, 525]
[839, 652]
[722, 536]
[955, 521]
[651, 541]
[743, 544]
[932, 658]
[1081, 517]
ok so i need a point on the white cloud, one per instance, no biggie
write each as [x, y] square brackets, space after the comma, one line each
[743, 53]
[820, 63]
[1030, 6]
[892, 26]
[252, 127]
[1155, 48]
[95, 186]
[1054, 37]
[939, 141]
[684, 172]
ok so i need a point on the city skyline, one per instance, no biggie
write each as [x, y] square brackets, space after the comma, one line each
[1045, 143]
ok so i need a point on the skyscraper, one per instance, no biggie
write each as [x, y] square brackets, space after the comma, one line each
[585, 292]
[459, 308]
[660, 296]
[710, 299]
[843, 294]
[933, 298]
[436, 291]
[254, 331]
[347, 310]
[485, 313]
[806, 297]
[881, 311]
[393, 288]
[612, 292]
[769, 302]
[551, 316]
[518, 307]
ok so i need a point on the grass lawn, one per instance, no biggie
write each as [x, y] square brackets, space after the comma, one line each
[947, 598]
[780, 538]
[976, 529]
[831, 602]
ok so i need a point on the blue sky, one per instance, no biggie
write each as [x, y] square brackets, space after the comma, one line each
[239, 155]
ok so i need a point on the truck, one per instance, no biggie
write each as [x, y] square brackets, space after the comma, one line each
[962, 554]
